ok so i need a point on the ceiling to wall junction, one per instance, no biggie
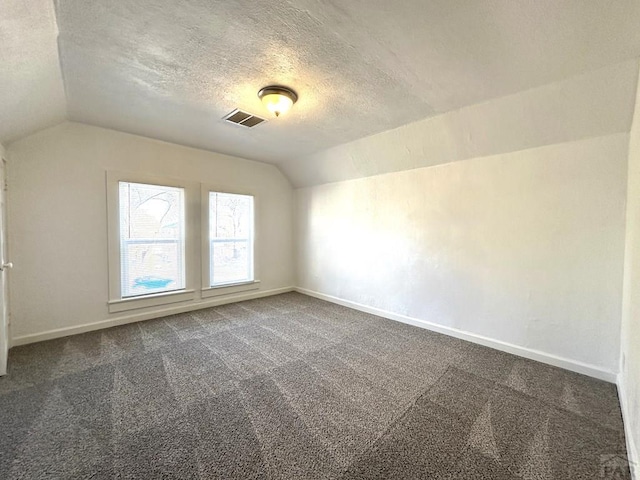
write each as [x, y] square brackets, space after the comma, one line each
[172, 70]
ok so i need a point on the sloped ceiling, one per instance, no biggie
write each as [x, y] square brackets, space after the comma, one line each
[171, 70]
[31, 89]
[593, 104]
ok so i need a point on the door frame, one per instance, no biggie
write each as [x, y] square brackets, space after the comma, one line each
[5, 337]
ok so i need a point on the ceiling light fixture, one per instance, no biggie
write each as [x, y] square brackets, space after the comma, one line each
[277, 99]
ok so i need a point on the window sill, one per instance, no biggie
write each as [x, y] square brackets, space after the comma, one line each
[229, 289]
[150, 300]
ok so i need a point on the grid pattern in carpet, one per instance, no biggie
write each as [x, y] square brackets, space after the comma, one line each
[291, 387]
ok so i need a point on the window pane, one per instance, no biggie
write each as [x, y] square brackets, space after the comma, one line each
[230, 238]
[151, 238]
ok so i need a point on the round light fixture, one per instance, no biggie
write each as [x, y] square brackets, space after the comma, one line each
[277, 99]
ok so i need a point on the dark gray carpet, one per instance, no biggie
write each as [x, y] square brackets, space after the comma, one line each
[290, 387]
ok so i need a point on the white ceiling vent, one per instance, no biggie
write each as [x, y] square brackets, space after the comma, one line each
[243, 118]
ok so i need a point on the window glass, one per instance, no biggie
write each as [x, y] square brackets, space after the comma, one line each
[151, 239]
[230, 238]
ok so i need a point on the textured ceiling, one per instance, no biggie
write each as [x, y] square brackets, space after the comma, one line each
[171, 70]
[31, 89]
[594, 104]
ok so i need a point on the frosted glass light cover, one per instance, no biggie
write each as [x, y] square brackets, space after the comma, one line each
[277, 103]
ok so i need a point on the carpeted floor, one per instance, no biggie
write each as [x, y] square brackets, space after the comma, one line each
[291, 387]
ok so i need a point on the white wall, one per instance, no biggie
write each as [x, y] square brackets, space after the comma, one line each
[629, 380]
[524, 248]
[57, 213]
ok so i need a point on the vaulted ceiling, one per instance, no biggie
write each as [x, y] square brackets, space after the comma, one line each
[172, 69]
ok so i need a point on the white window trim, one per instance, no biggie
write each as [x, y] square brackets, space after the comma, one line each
[207, 290]
[151, 300]
[230, 288]
[118, 304]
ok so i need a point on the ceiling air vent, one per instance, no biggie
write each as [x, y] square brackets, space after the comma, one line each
[243, 118]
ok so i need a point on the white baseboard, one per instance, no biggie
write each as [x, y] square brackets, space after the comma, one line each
[550, 359]
[573, 365]
[162, 312]
[632, 452]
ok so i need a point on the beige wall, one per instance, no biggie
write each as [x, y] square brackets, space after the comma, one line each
[629, 380]
[57, 212]
[524, 248]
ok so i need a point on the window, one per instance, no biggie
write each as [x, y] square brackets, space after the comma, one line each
[152, 232]
[173, 241]
[230, 239]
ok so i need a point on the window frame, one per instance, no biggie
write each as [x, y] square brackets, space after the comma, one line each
[212, 291]
[116, 302]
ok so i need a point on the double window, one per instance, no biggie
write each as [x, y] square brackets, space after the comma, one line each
[153, 241]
